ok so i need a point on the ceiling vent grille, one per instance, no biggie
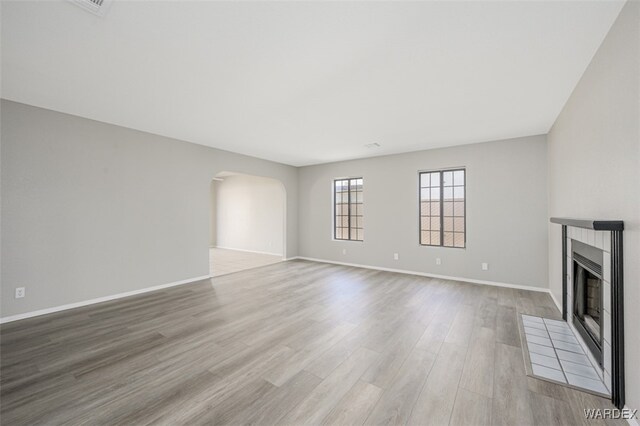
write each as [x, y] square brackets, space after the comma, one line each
[97, 7]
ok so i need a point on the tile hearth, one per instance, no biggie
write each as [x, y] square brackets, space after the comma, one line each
[555, 354]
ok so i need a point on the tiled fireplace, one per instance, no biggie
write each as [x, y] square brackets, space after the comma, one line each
[592, 302]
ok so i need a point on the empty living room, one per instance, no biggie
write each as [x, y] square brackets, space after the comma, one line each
[320, 212]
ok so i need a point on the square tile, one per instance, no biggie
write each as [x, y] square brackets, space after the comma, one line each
[548, 373]
[555, 322]
[545, 361]
[535, 331]
[539, 349]
[539, 340]
[569, 347]
[573, 357]
[560, 330]
[537, 325]
[586, 383]
[580, 370]
[563, 338]
[530, 318]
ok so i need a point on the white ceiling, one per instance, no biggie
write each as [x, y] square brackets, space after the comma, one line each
[306, 82]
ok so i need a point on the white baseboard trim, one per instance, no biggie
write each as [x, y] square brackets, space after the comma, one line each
[425, 274]
[249, 251]
[98, 300]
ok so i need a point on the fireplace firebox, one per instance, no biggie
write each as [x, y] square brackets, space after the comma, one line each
[593, 293]
[587, 300]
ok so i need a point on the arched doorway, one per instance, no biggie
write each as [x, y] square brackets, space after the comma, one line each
[247, 222]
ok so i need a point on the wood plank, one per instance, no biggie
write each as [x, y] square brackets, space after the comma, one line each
[356, 405]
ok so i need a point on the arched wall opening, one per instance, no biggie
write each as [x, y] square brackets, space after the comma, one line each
[248, 222]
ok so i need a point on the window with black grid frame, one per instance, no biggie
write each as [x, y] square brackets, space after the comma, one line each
[348, 214]
[443, 208]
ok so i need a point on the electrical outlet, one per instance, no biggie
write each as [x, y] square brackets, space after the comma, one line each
[20, 292]
[485, 266]
[395, 256]
[438, 261]
[344, 251]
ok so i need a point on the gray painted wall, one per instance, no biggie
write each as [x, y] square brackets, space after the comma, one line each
[250, 214]
[91, 209]
[594, 165]
[506, 212]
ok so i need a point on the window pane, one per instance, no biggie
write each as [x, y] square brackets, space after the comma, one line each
[448, 224]
[458, 239]
[435, 223]
[448, 193]
[459, 208]
[424, 180]
[338, 233]
[424, 237]
[435, 179]
[424, 208]
[448, 178]
[435, 238]
[435, 194]
[360, 234]
[424, 194]
[458, 177]
[458, 192]
[425, 223]
[448, 239]
[458, 224]
[435, 208]
[448, 208]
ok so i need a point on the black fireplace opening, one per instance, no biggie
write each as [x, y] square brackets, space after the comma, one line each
[588, 296]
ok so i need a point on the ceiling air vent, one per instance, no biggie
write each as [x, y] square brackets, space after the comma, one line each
[97, 7]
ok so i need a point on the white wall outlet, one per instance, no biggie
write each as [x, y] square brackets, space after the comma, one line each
[438, 261]
[395, 256]
[344, 251]
[20, 292]
[485, 266]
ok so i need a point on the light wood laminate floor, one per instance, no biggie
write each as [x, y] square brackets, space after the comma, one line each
[228, 261]
[296, 342]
